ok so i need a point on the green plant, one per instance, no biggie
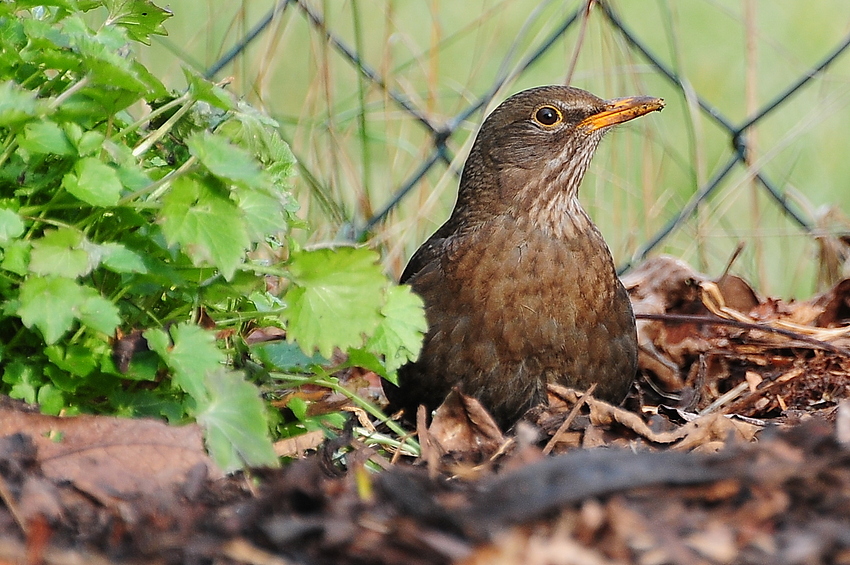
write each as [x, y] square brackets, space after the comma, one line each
[141, 229]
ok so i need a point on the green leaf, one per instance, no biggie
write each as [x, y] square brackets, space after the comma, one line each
[48, 304]
[117, 258]
[141, 18]
[335, 298]
[158, 341]
[264, 214]
[235, 421]
[116, 84]
[51, 304]
[192, 357]
[399, 335]
[51, 400]
[258, 134]
[45, 137]
[25, 380]
[90, 143]
[16, 258]
[299, 407]
[75, 359]
[226, 161]
[285, 356]
[205, 91]
[16, 104]
[141, 403]
[11, 226]
[358, 357]
[58, 253]
[97, 312]
[94, 182]
[61, 378]
[206, 225]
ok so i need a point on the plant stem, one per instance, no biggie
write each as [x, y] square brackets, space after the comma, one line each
[152, 187]
[374, 411]
[70, 91]
[154, 114]
[157, 134]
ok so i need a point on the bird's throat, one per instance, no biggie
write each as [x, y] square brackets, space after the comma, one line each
[552, 197]
[559, 216]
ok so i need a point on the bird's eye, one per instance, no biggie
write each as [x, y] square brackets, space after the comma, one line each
[547, 116]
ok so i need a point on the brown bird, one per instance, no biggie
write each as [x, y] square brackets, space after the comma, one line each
[519, 285]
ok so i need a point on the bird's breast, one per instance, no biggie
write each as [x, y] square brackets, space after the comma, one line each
[527, 289]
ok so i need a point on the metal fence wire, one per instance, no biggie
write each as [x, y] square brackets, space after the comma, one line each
[441, 132]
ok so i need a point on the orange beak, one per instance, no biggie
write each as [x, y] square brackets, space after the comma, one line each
[621, 110]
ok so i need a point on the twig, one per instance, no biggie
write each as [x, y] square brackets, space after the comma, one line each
[716, 321]
[12, 506]
[569, 420]
[726, 398]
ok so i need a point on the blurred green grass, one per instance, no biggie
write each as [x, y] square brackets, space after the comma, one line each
[359, 147]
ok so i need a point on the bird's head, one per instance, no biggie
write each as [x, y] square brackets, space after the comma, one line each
[535, 147]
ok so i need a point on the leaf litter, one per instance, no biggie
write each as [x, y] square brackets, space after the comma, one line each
[733, 447]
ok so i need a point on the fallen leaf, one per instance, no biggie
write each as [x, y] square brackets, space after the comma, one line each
[110, 457]
[462, 425]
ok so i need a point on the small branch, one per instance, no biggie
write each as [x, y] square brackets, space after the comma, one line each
[152, 187]
[158, 134]
[716, 321]
[154, 113]
[73, 89]
[569, 420]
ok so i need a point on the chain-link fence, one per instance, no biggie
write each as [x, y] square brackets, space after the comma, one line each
[381, 142]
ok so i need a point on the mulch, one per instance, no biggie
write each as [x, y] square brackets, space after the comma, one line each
[734, 447]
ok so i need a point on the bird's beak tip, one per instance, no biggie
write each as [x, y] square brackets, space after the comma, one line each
[619, 110]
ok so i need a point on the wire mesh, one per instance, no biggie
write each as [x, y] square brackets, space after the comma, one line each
[564, 35]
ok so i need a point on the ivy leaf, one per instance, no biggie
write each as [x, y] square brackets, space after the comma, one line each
[11, 226]
[45, 136]
[16, 104]
[141, 18]
[97, 312]
[258, 134]
[285, 356]
[206, 224]
[48, 304]
[24, 378]
[263, 214]
[335, 298]
[399, 335]
[76, 359]
[117, 258]
[193, 356]
[58, 253]
[204, 90]
[16, 257]
[94, 182]
[226, 161]
[234, 417]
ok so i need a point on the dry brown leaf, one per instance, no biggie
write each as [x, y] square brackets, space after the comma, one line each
[462, 425]
[708, 428]
[106, 456]
[299, 445]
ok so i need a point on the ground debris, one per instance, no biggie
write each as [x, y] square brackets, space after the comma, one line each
[734, 447]
[714, 345]
[783, 499]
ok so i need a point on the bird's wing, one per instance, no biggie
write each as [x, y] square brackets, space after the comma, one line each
[427, 252]
[432, 250]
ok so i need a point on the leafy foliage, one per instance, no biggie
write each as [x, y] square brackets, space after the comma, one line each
[126, 241]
